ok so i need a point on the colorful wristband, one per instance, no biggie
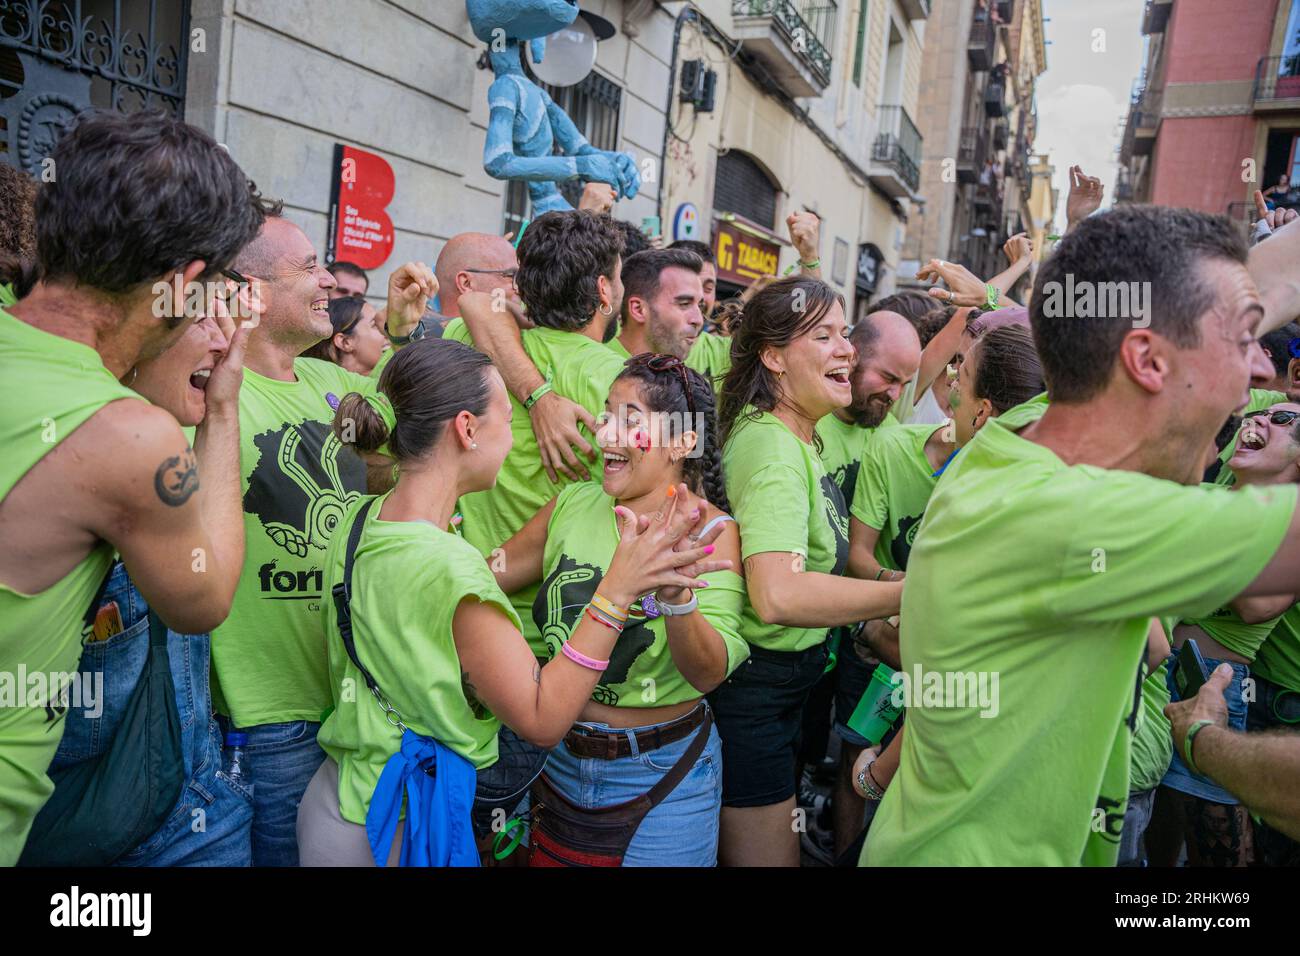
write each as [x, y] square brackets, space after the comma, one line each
[609, 608]
[1187, 745]
[992, 295]
[578, 657]
[532, 399]
[600, 618]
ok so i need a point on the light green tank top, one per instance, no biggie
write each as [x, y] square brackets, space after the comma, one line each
[48, 387]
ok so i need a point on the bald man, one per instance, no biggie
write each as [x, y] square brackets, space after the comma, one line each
[474, 262]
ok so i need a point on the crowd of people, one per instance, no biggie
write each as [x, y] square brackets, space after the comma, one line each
[553, 559]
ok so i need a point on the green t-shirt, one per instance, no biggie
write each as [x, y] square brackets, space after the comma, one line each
[7, 296]
[403, 636]
[268, 658]
[843, 447]
[784, 501]
[1153, 741]
[711, 356]
[1226, 626]
[893, 489]
[382, 364]
[582, 370]
[51, 386]
[1047, 576]
[1278, 659]
[1259, 398]
[580, 543]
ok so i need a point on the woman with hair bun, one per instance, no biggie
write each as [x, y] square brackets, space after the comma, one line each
[791, 365]
[438, 640]
[659, 439]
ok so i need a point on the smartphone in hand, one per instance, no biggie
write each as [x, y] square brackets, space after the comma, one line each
[1192, 671]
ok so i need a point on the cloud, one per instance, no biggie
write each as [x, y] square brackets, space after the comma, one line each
[1080, 124]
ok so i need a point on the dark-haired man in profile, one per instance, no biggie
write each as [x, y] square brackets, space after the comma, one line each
[661, 303]
[1030, 765]
[89, 468]
[350, 280]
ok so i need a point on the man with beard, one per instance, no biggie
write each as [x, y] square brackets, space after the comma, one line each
[889, 354]
[661, 304]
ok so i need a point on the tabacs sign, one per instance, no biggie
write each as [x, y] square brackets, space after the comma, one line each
[743, 257]
[360, 229]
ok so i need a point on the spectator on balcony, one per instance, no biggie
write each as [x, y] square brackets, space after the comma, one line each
[1282, 195]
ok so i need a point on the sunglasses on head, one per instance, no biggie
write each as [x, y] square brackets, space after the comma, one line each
[1277, 418]
[659, 364]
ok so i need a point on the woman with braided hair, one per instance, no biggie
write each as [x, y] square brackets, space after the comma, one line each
[659, 439]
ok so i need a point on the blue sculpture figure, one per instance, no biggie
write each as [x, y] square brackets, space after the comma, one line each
[524, 124]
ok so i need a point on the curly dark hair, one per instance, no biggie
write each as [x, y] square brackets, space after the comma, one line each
[561, 256]
[136, 197]
[634, 240]
[17, 229]
[771, 318]
[663, 380]
[1126, 248]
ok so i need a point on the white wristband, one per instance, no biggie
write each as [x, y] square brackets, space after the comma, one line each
[676, 610]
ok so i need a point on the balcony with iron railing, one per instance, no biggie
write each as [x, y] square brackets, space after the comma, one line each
[995, 98]
[792, 38]
[896, 153]
[1277, 83]
[980, 48]
[971, 152]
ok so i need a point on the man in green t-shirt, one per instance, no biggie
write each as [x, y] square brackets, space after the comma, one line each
[574, 310]
[661, 312]
[1046, 550]
[269, 677]
[89, 469]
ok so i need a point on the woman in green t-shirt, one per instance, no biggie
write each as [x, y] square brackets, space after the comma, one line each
[658, 436]
[792, 365]
[1191, 807]
[429, 621]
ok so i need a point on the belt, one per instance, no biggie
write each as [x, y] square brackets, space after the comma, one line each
[601, 745]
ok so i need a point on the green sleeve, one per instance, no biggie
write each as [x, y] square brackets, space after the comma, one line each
[1138, 546]
[7, 296]
[457, 331]
[870, 503]
[722, 603]
[772, 510]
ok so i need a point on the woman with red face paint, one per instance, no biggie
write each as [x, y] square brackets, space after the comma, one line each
[647, 725]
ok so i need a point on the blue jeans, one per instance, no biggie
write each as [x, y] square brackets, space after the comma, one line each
[1178, 776]
[282, 758]
[210, 823]
[1137, 817]
[680, 831]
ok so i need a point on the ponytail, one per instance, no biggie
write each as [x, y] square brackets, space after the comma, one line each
[1007, 370]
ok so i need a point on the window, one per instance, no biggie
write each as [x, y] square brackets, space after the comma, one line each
[593, 105]
[744, 188]
[859, 48]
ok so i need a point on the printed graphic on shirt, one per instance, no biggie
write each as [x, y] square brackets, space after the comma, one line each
[561, 600]
[299, 490]
[901, 546]
[837, 515]
[845, 478]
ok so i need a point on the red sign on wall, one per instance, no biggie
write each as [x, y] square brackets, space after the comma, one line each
[360, 229]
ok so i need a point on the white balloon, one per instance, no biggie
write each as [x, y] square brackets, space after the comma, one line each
[569, 57]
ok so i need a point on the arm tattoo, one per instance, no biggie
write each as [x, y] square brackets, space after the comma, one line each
[537, 673]
[177, 479]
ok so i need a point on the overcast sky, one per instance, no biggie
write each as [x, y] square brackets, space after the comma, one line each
[1083, 97]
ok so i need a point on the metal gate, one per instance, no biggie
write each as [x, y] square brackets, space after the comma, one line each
[59, 57]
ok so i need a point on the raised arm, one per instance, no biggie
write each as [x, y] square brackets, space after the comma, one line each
[410, 288]
[1275, 266]
[555, 419]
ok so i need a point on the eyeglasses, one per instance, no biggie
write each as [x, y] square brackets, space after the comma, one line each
[659, 364]
[503, 273]
[1277, 418]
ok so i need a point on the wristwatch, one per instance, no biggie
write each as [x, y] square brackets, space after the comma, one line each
[676, 610]
[417, 333]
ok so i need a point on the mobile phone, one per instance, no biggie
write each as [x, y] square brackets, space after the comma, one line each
[650, 226]
[1192, 672]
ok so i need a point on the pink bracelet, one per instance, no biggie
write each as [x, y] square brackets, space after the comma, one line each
[575, 655]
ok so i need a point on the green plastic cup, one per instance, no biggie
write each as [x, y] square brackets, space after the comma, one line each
[876, 712]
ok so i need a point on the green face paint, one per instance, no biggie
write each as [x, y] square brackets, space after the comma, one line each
[954, 398]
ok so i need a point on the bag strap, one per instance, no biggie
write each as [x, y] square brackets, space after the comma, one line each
[343, 597]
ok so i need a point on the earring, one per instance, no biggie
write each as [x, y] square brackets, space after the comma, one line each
[607, 309]
[473, 446]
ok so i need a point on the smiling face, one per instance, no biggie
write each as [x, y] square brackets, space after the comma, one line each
[1268, 452]
[815, 369]
[969, 413]
[177, 379]
[884, 371]
[362, 348]
[636, 443]
[296, 290]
